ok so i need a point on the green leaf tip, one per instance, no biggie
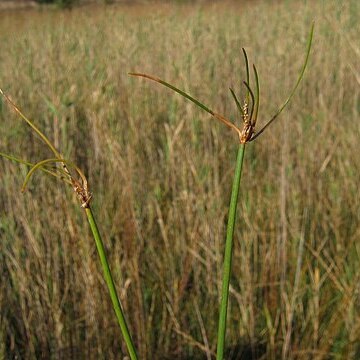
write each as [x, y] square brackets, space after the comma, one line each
[257, 95]
[300, 77]
[238, 105]
[189, 97]
[181, 92]
[247, 72]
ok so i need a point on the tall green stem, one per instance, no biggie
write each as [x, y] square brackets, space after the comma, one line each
[110, 283]
[228, 254]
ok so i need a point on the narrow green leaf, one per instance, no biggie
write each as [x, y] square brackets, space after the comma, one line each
[309, 43]
[247, 73]
[241, 110]
[37, 166]
[301, 72]
[187, 96]
[257, 95]
[182, 93]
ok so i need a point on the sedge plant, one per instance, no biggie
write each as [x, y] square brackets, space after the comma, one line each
[248, 110]
[71, 174]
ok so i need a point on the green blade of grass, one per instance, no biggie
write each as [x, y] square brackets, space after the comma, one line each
[238, 105]
[189, 97]
[228, 254]
[182, 93]
[38, 166]
[257, 95]
[296, 84]
[247, 72]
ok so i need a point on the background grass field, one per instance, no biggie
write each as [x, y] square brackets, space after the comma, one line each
[161, 170]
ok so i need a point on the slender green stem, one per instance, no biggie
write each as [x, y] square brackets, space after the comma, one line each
[110, 283]
[228, 254]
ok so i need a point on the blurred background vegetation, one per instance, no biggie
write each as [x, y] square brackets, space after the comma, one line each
[161, 170]
[68, 4]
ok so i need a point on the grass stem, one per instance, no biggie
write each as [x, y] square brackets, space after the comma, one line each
[110, 283]
[228, 254]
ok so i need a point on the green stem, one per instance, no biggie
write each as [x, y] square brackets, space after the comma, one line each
[228, 254]
[110, 283]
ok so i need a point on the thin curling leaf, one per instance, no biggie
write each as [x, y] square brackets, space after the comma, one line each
[247, 73]
[37, 166]
[301, 72]
[40, 165]
[198, 103]
[189, 97]
[24, 162]
[32, 125]
[257, 95]
[238, 105]
[301, 75]
[252, 99]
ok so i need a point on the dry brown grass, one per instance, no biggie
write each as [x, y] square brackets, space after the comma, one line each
[161, 174]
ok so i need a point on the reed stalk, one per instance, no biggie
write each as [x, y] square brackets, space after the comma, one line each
[228, 252]
[249, 114]
[110, 284]
[69, 173]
